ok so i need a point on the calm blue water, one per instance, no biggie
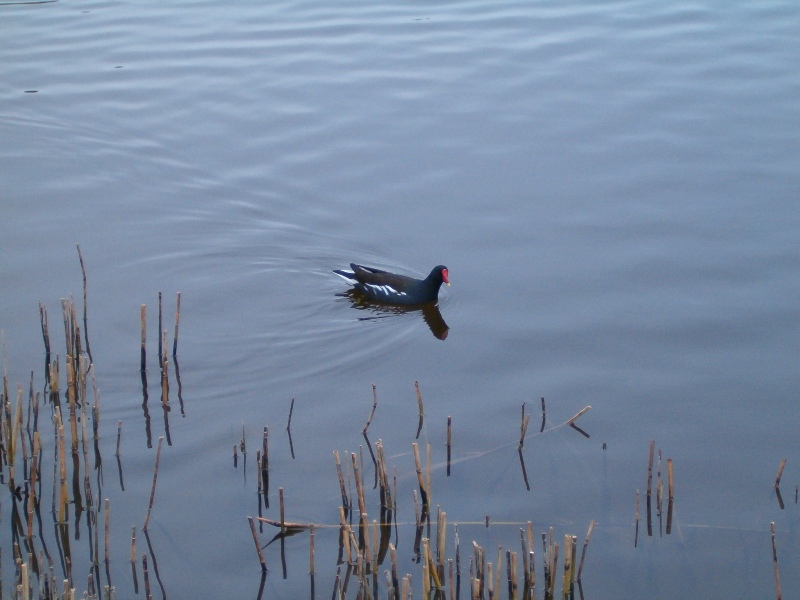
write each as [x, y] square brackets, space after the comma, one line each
[613, 186]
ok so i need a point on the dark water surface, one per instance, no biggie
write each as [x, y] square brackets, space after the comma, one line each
[613, 186]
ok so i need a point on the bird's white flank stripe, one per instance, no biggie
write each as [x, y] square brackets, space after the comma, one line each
[385, 289]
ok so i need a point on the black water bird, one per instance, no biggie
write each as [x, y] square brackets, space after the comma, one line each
[392, 288]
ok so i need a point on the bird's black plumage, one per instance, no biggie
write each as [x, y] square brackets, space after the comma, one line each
[393, 288]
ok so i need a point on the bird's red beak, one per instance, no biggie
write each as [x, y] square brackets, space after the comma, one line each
[445, 278]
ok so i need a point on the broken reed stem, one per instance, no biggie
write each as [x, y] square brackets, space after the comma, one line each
[553, 568]
[498, 568]
[780, 472]
[419, 399]
[258, 544]
[426, 545]
[177, 321]
[670, 480]
[143, 320]
[580, 412]
[133, 544]
[286, 524]
[342, 488]
[153, 489]
[650, 468]
[164, 368]
[374, 406]
[511, 574]
[428, 469]
[659, 484]
[362, 506]
[85, 323]
[449, 423]
[32, 501]
[311, 550]
[778, 593]
[567, 563]
[523, 427]
[160, 329]
[291, 410]
[72, 401]
[119, 436]
[636, 532]
[264, 448]
[63, 495]
[280, 503]
[441, 537]
[585, 545]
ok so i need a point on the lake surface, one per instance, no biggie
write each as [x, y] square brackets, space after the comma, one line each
[613, 186]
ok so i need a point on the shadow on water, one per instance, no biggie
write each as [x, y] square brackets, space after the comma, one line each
[378, 310]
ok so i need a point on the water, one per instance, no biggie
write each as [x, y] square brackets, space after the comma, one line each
[612, 186]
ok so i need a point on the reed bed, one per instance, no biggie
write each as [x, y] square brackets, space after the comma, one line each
[60, 426]
[367, 564]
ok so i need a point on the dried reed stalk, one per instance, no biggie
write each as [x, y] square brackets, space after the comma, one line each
[143, 321]
[428, 469]
[585, 545]
[258, 545]
[311, 550]
[160, 329]
[362, 505]
[164, 369]
[449, 423]
[434, 575]
[393, 560]
[780, 472]
[452, 579]
[342, 488]
[133, 545]
[383, 477]
[107, 516]
[119, 436]
[778, 593]
[670, 480]
[441, 537]
[34, 475]
[511, 574]
[567, 563]
[62, 462]
[523, 428]
[71, 393]
[85, 322]
[374, 406]
[286, 524]
[289, 422]
[659, 485]
[146, 576]
[280, 502]
[636, 531]
[419, 399]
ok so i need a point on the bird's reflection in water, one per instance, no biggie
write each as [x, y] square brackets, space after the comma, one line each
[430, 311]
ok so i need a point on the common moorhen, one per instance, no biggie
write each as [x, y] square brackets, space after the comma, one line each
[383, 286]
